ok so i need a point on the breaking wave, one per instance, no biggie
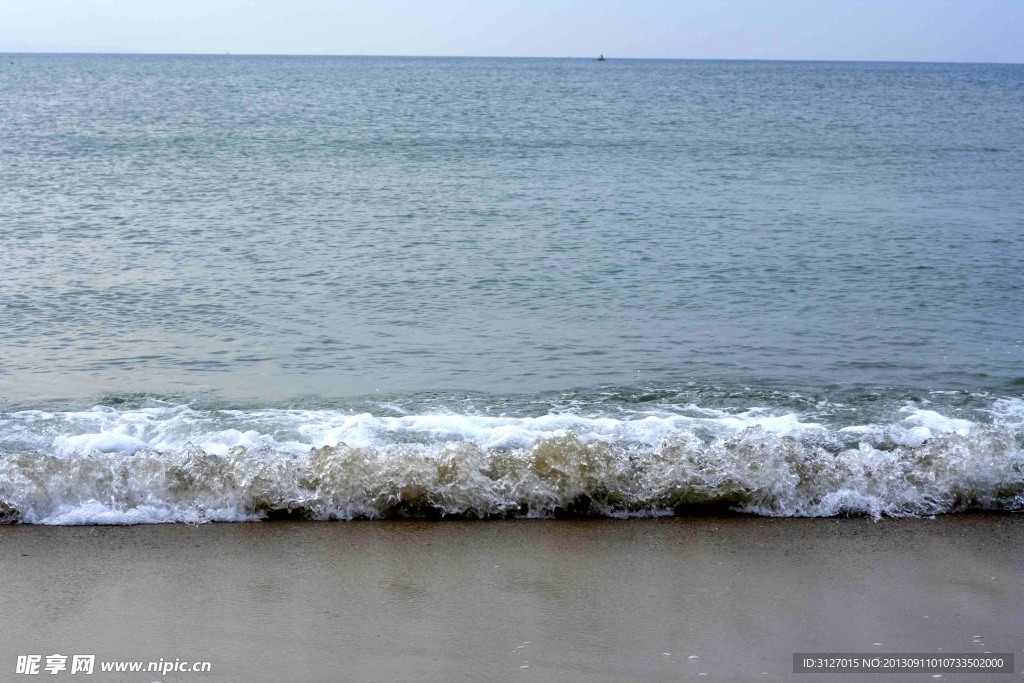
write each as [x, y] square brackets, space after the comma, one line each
[163, 463]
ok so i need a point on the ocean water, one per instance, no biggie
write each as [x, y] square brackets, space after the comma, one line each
[237, 288]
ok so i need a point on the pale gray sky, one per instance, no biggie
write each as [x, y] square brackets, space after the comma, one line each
[915, 30]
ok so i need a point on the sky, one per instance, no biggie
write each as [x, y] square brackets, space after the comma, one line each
[874, 30]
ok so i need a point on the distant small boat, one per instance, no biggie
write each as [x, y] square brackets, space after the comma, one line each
[602, 59]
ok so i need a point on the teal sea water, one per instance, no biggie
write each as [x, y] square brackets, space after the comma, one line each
[240, 287]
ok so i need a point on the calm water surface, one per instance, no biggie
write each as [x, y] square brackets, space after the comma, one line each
[265, 228]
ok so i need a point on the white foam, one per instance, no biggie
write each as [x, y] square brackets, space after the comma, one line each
[103, 429]
[174, 463]
[936, 423]
[104, 442]
[94, 512]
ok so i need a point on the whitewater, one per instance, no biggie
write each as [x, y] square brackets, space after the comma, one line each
[161, 462]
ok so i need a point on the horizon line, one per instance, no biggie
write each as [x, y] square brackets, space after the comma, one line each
[399, 56]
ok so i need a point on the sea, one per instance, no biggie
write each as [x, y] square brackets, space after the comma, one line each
[255, 287]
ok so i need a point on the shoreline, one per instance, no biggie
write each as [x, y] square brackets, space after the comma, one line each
[571, 599]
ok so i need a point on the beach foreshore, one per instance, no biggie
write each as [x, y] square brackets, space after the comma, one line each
[732, 597]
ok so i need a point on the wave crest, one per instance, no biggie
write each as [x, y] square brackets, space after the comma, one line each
[754, 470]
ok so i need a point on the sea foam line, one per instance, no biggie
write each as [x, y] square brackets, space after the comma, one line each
[179, 464]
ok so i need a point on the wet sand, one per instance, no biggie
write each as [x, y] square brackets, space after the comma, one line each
[590, 600]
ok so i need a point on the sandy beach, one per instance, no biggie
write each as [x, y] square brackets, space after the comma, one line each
[565, 600]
